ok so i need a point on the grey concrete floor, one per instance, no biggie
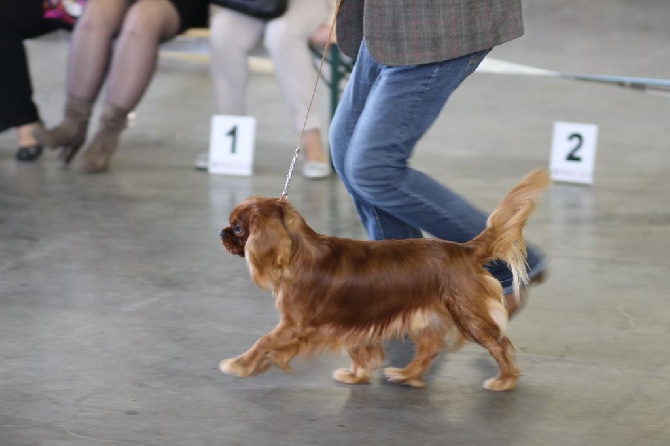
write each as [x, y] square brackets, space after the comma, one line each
[117, 302]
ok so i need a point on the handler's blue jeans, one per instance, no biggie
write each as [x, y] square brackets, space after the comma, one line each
[383, 112]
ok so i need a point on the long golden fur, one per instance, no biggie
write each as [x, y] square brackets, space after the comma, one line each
[336, 293]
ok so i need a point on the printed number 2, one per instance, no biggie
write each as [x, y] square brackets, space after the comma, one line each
[233, 134]
[573, 155]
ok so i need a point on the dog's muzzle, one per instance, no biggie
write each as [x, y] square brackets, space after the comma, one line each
[222, 233]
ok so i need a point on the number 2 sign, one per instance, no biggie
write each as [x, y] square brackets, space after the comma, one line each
[231, 144]
[573, 152]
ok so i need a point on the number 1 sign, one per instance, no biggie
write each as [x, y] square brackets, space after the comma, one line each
[231, 144]
[573, 152]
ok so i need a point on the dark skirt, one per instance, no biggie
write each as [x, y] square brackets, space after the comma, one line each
[193, 13]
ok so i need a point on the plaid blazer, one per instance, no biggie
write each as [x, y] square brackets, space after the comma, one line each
[407, 32]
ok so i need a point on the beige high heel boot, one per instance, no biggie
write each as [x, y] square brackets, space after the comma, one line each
[70, 134]
[97, 157]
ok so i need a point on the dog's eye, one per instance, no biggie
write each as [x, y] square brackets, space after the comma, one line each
[237, 229]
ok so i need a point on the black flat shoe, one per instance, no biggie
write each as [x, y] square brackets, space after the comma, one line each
[29, 153]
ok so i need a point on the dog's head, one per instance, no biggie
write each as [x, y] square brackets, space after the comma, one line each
[234, 236]
[260, 230]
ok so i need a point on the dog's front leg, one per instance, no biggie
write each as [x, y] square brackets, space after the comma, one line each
[277, 347]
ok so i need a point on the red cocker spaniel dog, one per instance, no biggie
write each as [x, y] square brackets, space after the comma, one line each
[336, 293]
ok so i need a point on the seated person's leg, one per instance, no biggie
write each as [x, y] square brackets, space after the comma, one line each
[286, 39]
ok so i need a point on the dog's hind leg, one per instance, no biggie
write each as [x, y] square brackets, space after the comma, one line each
[427, 344]
[364, 359]
[488, 330]
[503, 352]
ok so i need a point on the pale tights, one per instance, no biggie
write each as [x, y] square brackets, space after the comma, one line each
[233, 36]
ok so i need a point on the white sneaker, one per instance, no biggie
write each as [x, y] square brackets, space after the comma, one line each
[202, 161]
[315, 170]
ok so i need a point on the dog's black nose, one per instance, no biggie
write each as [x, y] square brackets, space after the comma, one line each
[222, 234]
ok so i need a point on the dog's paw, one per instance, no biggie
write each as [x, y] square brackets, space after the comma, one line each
[397, 375]
[500, 384]
[346, 376]
[233, 366]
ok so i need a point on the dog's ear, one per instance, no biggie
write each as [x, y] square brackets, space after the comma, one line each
[285, 245]
[294, 223]
[268, 247]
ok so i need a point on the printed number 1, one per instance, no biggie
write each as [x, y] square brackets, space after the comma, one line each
[233, 134]
[573, 155]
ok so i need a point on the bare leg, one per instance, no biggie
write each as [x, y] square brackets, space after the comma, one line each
[25, 136]
[364, 359]
[312, 144]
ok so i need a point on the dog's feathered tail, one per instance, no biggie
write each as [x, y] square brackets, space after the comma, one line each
[502, 239]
